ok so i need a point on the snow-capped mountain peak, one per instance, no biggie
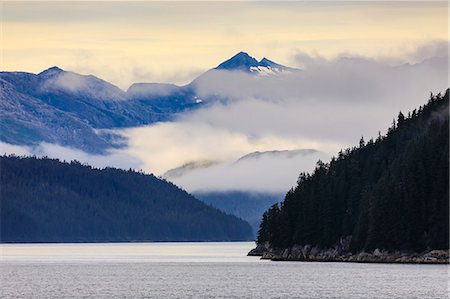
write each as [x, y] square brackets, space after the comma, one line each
[239, 62]
[52, 71]
[246, 63]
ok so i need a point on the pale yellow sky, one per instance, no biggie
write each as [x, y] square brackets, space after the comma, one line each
[125, 42]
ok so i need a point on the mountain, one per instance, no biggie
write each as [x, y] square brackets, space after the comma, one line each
[245, 63]
[387, 195]
[240, 77]
[27, 120]
[165, 100]
[170, 98]
[58, 106]
[63, 107]
[239, 62]
[97, 102]
[45, 200]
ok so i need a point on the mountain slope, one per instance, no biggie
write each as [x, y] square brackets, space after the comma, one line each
[27, 120]
[93, 100]
[46, 200]
[239, 62]
[389, 194]
[165, 100]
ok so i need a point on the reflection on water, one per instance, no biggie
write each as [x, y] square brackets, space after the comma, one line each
[199, 270]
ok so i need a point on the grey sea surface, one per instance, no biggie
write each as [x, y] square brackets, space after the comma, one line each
[200, 270]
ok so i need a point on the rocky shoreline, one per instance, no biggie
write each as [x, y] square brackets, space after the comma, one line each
[340, 253]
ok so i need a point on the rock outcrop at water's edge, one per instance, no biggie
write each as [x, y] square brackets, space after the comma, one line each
[340, 253]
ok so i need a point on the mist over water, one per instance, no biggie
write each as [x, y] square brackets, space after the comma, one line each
[200, 270]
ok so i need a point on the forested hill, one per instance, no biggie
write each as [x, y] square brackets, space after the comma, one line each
[391, 193]
[45, 200]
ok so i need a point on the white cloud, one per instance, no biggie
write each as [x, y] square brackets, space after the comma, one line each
[70, 81]
[164, 146]
[7, 149]
[268, 174]
[86, 85]
[327, 107]
[344, 80]
[111, 159]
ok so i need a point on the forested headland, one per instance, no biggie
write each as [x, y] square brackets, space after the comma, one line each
[45, 200]
[385, 195]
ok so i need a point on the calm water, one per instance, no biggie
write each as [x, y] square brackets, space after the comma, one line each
[199, 270]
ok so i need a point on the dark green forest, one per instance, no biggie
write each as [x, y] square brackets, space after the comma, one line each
[391, 193]
[45, 200]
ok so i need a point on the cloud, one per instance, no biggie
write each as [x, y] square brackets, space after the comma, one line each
[69, 81]
[327, 107]
[87, 86]
[267, 173]
[429, 50]
[151, 89]
[7, 149]
[308, 123]
[307, 61]
[168, 145]
[346, 80]
[112, 159]
[334, 102]
[409, 53]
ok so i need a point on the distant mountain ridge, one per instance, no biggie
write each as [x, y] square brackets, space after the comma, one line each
[203, 164]
[187, 167]
[278, 153]
[63, 107]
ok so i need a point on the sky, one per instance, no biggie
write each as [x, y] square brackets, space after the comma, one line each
[127, 42]
[362, 63]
